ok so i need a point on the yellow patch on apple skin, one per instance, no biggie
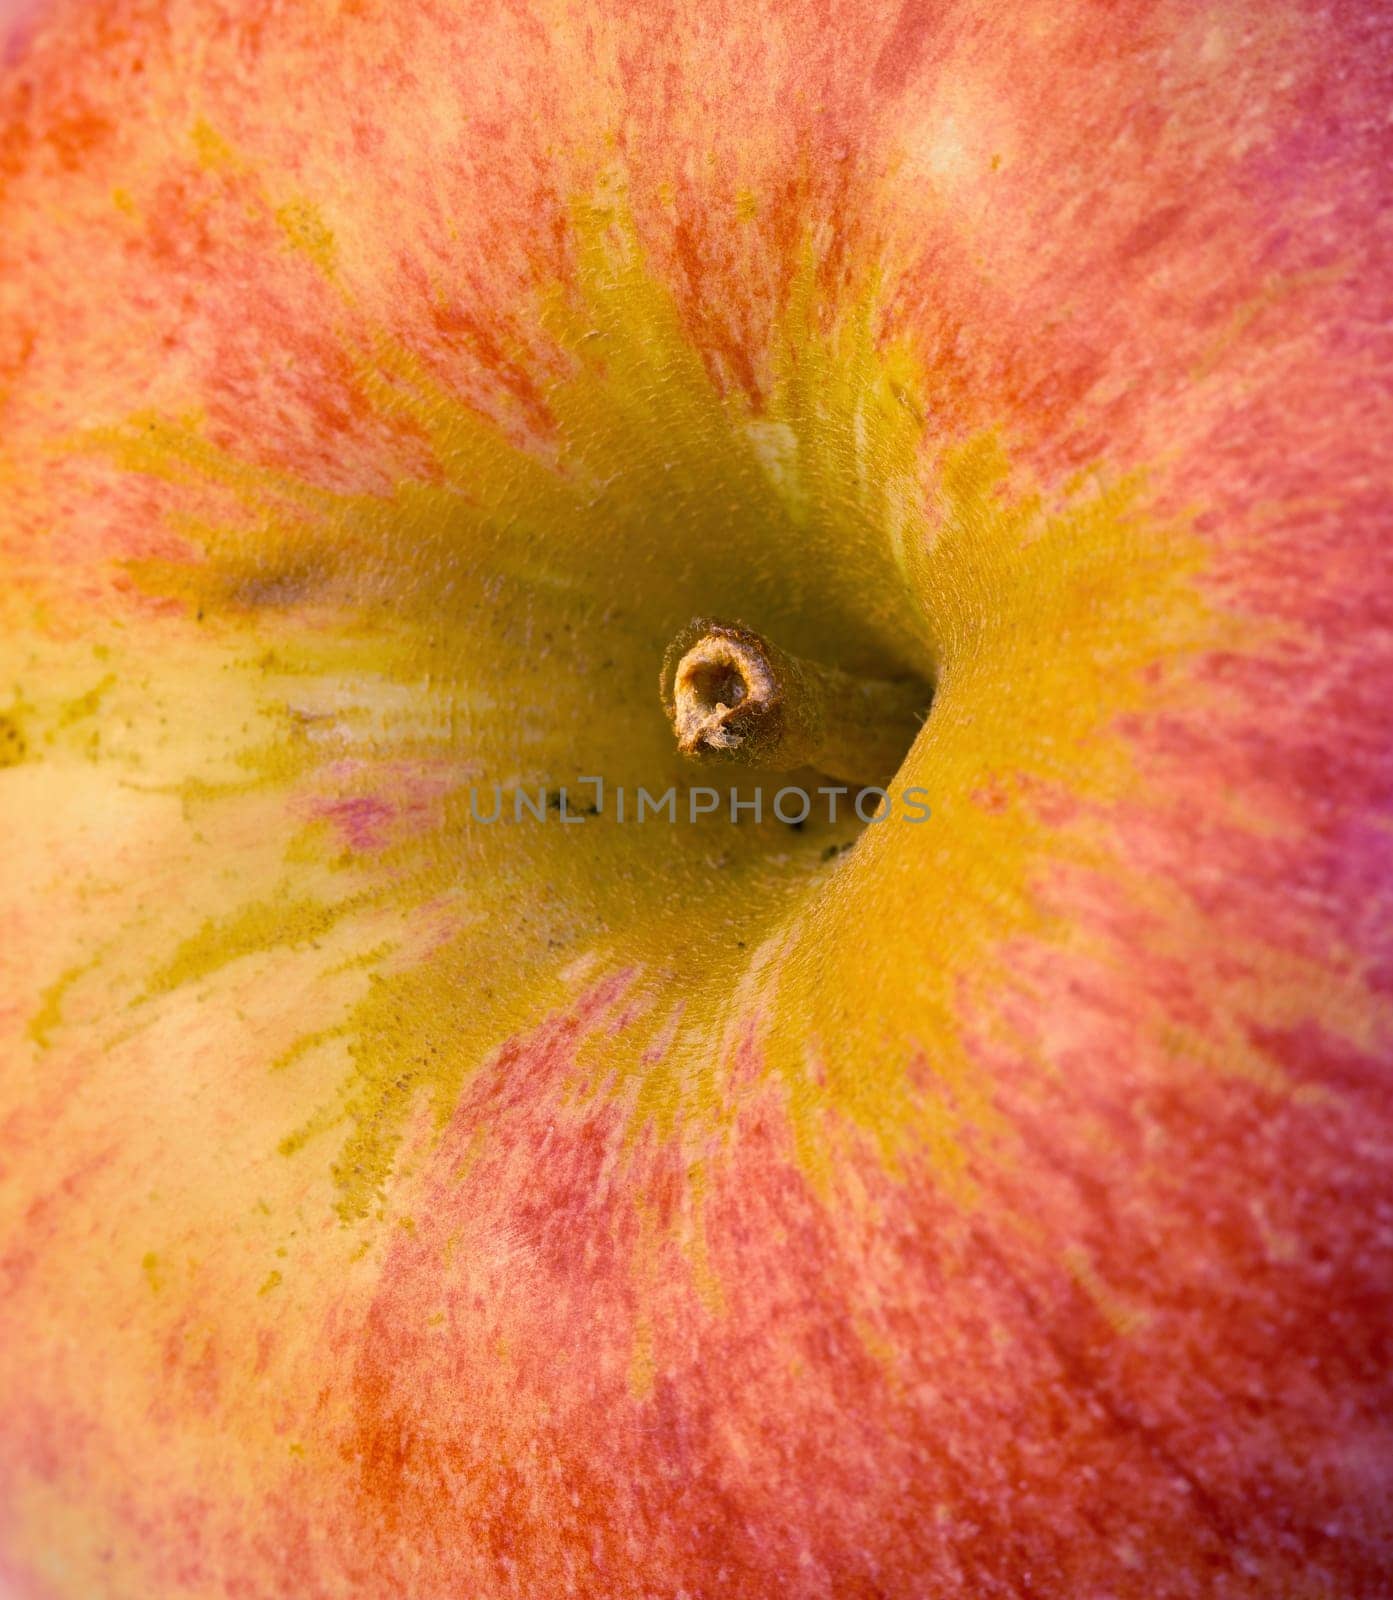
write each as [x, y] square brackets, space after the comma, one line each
[307, 231]
[13, 745]
[50, 1009]
[501, 624]
[256, 926]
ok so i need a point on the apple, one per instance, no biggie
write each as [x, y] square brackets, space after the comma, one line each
[408, 1194]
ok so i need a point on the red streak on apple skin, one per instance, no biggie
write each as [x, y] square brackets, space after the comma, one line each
[360, 821]
[885, 1392]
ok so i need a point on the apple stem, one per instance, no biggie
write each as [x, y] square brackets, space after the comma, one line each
[731, 695]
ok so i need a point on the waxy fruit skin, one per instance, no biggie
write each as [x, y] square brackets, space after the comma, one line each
[393, 1204]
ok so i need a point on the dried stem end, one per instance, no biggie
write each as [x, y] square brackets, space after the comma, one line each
[723, 689]
[731, 695]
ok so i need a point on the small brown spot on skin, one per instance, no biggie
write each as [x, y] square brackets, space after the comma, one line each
[14, 747]
[273, 590]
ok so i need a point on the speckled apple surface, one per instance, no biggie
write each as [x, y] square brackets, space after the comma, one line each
[392, 1205]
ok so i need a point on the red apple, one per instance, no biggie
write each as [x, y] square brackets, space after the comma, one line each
[394, 1203]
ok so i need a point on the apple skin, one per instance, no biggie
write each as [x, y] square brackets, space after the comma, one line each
[390, 1205]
